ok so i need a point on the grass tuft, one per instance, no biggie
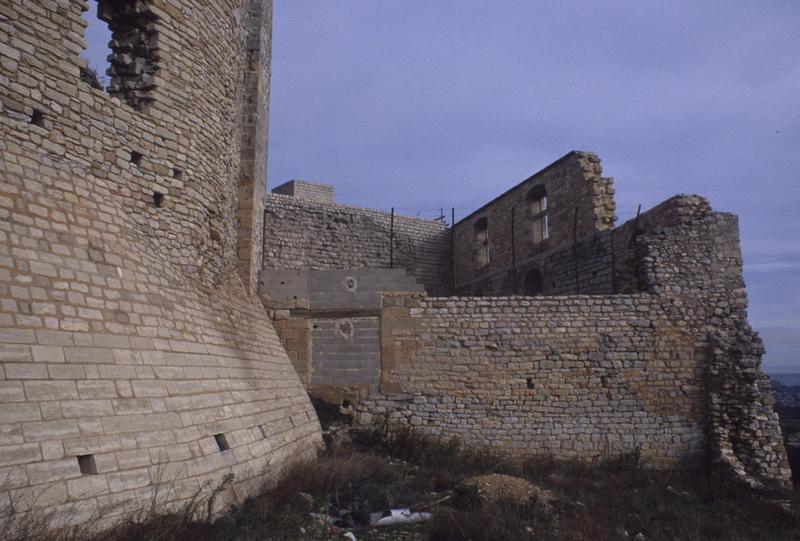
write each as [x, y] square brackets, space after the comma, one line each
[606, 500]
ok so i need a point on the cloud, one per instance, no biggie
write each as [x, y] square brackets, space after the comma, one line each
[424, 105]
[785, 263]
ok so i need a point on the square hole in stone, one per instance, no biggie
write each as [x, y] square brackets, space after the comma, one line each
[529, 383]
[87, 465]
[177, 174]
[136, 157]
[37, 118]
[158, 199]
[222, 442]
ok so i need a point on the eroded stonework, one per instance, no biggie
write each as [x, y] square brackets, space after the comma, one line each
[135, 230]
[568, 337]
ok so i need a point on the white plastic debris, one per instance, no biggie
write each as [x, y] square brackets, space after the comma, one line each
[397, 516]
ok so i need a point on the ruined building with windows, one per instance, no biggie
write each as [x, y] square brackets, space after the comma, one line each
[533, 325]
[162, 318]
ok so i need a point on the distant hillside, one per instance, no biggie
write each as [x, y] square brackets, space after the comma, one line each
[788, 379]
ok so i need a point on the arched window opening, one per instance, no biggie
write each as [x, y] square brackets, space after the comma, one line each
[537, 211]
[481, 242]
[532, 286]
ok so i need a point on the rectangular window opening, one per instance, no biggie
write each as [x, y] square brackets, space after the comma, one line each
[136, 157]
[538, 231]
[529, 383]
[177, 174]
[87, 464]
[481, 236]
[222, 442]
[538, 213]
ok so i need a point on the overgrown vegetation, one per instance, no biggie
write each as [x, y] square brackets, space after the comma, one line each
[90, 76]
[368, 473]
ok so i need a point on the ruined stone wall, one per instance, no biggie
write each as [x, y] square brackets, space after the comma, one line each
[568, 377]
[690, 257]
[672, 370]
[127, 339]
[587, 267]
[580, 205]
[307, 234]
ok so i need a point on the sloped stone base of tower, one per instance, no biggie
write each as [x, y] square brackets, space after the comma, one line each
[122, 377]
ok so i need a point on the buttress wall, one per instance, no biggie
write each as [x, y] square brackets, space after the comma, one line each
[127, 335]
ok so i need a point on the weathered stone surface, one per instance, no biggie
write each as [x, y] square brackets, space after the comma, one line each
[130, 244]
[309, 234]
[131, 247]
[666, 369]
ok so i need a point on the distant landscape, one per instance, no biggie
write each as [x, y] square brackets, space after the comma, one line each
[787, 379]
[787, 392]
[787, 404]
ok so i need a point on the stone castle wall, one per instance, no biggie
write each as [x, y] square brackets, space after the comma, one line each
[585, 267]
[314, 191]
[309, 234]
[671, 370]
[569, 377]
[134, 231]
[254, 105]
[131, 353]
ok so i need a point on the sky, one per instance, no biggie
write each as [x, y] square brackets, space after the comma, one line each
[424, 105]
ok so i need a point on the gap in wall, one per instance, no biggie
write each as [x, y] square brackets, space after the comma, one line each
[98, 36]
[87, 465]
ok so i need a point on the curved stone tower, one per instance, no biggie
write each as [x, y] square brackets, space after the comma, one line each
[133, 354]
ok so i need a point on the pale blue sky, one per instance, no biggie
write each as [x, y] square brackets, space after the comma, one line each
[427, 104]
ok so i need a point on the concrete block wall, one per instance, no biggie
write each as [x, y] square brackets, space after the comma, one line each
[328, 322]
[332, 290]
[307, 234]
[346, 352]
[127, 336]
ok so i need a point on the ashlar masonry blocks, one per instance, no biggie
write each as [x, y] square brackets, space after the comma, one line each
[130, 342]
